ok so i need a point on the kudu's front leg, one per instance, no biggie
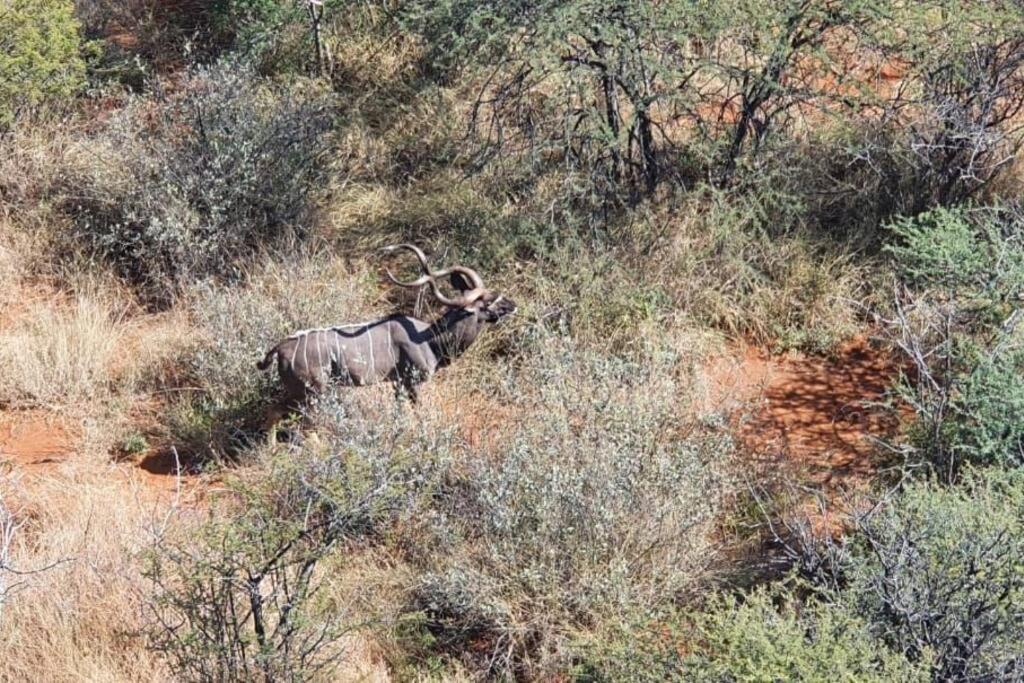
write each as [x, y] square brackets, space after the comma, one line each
[405, 387]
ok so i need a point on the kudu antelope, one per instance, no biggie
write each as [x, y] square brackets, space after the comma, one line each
[400, 348]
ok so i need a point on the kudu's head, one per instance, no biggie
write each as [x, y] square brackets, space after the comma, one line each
[474, 299]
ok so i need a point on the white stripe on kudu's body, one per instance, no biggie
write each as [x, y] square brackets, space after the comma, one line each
[400, 348]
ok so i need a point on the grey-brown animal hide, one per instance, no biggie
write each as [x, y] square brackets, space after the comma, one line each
[399, 348]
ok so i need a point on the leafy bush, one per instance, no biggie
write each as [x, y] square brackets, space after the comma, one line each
[986, 420]
[277, 35]
[968, 252]
[770, 636]
[40, 55]
[955, 320]
[190, 186]
[939, 576]
[597, 504]
[966, 393]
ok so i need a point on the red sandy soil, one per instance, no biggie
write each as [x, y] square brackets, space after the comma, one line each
[38, 443]
[35, 441]
[810, 418]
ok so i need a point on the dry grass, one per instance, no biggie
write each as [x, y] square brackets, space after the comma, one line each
[79, 619]
[63, 350]
[789, 290]
[88, 524]
[10, 267]
[59, 353]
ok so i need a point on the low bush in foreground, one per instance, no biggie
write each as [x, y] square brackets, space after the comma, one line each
[252, 594]
[773, 637]
[596, 504]
[926, 587]
[939, 576]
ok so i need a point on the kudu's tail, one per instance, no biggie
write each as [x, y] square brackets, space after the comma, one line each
[267, 359]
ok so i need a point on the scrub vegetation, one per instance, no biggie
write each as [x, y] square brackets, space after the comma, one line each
[656, 185]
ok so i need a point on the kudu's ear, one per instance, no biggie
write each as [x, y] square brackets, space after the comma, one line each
[460, 282]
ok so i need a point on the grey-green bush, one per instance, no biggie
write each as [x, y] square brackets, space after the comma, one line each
[927, 586]
[770, 636]
[191, 184]
[939, 576]
[596, 504]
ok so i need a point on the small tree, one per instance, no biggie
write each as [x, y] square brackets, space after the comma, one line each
[953, 125]
[954, 320]
[247, 595]
[633, 94]
[40, 55]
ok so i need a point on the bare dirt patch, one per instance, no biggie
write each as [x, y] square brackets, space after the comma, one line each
[815, 420]
[45, 445]
[36, 441]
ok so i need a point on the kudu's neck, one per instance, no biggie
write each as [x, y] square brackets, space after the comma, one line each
[452, 334]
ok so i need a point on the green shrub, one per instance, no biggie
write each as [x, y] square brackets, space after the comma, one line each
[273, 33]
[134, 444]
[40, 55]
[969, 252]
[191, 186]
[968, 398]
[985, 420]
[769, 636]
[596, 505]
[955, 322]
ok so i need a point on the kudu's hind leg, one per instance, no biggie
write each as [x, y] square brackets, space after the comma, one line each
[276, 413]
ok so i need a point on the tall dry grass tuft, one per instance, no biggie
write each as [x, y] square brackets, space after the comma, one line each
[78, 619]
[56, 353]
[727, 267]
[62, 350]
